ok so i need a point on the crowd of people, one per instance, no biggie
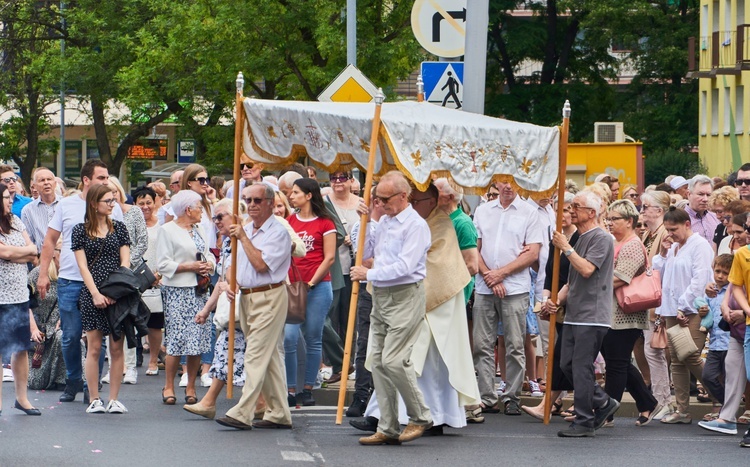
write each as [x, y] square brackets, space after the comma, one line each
[453, 312]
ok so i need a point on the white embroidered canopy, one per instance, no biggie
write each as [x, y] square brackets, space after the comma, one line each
[422, 140]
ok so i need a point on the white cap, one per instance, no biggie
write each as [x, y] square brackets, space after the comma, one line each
[678, 182]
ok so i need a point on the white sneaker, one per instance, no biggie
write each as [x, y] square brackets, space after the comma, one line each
[501, 388]
[664, 411]
[206, 380]
[183, 380]
[536, 391]
[8, 375]
[131, 377]
[326, 372]
[105, 379]
[353, 376]
[96, 406]
[116, 407]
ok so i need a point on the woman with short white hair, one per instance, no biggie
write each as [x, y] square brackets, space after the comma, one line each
[183, 260]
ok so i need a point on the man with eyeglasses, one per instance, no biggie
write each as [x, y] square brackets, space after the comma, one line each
[510, 238]
[250, 172]
[262, 266]
[742, 183]
[174, 186]
[399, 247]
[10, 180]
[702, 220]
[588, 313]
[69, 212]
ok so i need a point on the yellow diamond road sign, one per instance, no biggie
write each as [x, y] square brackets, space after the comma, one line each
[351, 85]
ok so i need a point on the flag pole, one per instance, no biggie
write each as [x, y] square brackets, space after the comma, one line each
[379, 97]
[238, 121]
[556, 258]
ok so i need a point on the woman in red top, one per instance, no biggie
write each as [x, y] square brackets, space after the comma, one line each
[314, 225]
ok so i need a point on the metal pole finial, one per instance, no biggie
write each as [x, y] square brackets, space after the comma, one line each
[420, 85]
[566, 109]
[379, 97]
[240, 82]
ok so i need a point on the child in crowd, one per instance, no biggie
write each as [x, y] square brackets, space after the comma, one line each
[718, 343]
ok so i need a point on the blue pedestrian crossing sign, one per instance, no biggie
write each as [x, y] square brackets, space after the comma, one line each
[443, 83]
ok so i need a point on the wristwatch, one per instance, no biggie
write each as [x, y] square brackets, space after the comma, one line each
[311, 285]
[568, 252]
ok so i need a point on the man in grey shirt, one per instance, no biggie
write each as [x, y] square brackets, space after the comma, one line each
[588, 313]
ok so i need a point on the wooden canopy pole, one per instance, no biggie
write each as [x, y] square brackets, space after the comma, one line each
[379, 97]
[238, 121]
[556, 259]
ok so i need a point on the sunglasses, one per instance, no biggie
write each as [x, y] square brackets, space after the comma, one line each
[250, 201]
[201, 180]
[340, 179]
[633, 196]
[219, 217]
[174, 183]
[10, 179]
[492, 195]
[385, 199]
[738, 182]
[247, 166]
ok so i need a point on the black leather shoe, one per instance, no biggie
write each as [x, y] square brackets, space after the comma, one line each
[72, 388]
[233, 423]
[30, 411]
[306, 398]
[366, 424]
[357, 409]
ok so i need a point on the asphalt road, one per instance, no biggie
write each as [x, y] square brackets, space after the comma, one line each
[153, 434]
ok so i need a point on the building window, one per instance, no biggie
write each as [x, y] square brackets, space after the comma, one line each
[73, 157]
[727, 111]
[740, 12]
[704, 113]
[714, 112]
[739, 110]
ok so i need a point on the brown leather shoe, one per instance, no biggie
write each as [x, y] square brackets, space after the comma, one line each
[198, 409]
[377, 439]
[412, 432]
[233, 423]
[269, 424]
[335, 378]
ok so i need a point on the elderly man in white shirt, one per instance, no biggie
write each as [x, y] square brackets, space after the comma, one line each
[37, 214]
[399, 247]
[509, 242]
[262, 266]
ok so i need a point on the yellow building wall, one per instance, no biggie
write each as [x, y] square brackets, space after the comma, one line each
[724, 99]
[623, 160]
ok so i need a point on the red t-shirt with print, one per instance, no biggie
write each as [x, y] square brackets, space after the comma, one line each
[311, 231]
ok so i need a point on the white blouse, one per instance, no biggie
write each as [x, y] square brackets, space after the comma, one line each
[684, 274]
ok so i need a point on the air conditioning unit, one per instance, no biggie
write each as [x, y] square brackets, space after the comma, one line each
[608, 132]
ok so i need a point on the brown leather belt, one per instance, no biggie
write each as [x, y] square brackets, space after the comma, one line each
[262, 288]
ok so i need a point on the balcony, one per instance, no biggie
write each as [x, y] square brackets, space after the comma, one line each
[721, 53]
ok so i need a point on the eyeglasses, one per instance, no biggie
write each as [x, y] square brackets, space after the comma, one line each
[9, 179]
[250, 201]
[201, 180]
[491, 196]
[385, 199]
[612, 219]
[340, 179]
[247, 166]
[110, 201]
[219, 217]
[578, 206]
[738, 182]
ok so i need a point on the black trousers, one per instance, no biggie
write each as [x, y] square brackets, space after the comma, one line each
[713, 374]
[363, 381]
[617, 348]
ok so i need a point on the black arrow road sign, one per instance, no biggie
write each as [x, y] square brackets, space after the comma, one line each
[437, 18]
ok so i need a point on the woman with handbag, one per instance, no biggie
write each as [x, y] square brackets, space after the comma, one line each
[617, 346]
[684, 262]
[314, 225]
[653, 206]
[183, 259]
[148, 201]
[50, 374]
[100, 246]
[17, 325]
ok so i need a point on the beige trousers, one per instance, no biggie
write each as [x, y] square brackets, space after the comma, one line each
[681, 370]
[262, 319]
[394, 326]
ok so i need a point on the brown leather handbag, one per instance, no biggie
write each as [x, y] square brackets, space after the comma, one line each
[659, 337]
[297, 292]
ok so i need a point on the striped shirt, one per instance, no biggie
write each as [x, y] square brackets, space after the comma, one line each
[36, 216]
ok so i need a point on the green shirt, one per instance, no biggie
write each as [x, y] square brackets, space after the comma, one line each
[467, 238]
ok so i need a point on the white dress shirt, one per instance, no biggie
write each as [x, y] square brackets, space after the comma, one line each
[684, 274]
[504, 234]
[36, 216]
[399, 246]
[274, 242]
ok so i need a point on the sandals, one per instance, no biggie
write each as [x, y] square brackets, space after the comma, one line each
[190, 399]
[703, 395]
[556, 409]
[154, 372]
[167, 400]
[744, 419]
